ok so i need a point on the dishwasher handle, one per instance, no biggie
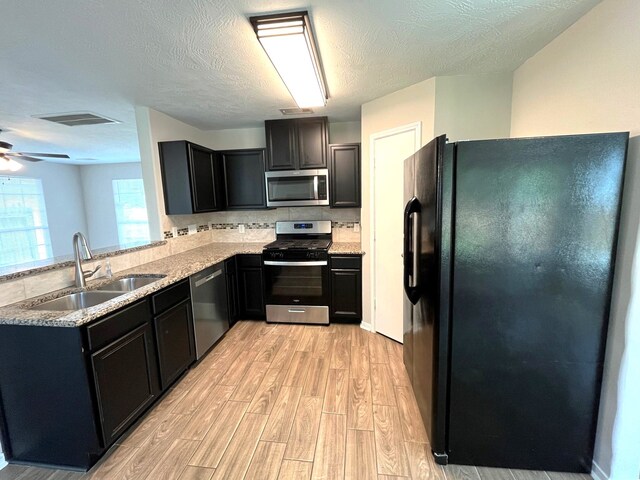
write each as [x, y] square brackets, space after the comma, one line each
[208, 278]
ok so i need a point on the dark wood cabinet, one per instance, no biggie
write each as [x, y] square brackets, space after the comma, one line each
[80, 388]
[281, 144]
[295, 144]
[346, 287]
[176, 349]
[250, 286]
[232, 290]
[125, 380]
[191, 178]
[344, 175]
[313, 139]
[244, 179]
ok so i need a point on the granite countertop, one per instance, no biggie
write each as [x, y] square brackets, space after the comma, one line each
[175, 267]
[347, 248]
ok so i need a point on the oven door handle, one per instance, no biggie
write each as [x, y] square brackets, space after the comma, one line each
[320, 263]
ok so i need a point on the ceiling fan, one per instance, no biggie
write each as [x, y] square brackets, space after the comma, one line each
[8, 157]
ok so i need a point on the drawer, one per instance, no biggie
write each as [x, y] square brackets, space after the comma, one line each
[249, 260]
[117, 324]
[170, 296]
[346, 261]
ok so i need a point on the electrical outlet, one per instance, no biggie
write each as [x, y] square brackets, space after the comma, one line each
[174, 231]
[356, 227]
[193, 229]
[241, 228]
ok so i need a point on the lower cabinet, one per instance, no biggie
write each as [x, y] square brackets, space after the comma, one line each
[173, 324]
[125, 379]
[346, 287]
[176, 349]
[250, 287]
[67, 401]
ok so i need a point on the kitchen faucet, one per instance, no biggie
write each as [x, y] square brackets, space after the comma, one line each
[80, 241]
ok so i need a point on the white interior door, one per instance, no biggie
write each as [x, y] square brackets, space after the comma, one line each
[389, 149]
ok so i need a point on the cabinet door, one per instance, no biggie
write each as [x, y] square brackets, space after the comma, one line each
[250, 286]
[344, 179]
[244, 179]
[176, 349]
[125, 378]
[203, 180]
[312, 142]
[281, 144]
[232, 290]
[346, 294]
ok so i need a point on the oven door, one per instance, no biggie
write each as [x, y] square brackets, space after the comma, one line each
[296, 282]
[297, 188]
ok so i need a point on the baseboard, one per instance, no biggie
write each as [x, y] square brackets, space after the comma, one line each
[366, 326]
[597, 473]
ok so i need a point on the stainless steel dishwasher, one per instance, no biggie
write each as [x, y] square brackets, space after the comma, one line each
[209, 302]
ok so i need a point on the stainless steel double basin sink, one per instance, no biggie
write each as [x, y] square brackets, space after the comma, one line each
[104, 293]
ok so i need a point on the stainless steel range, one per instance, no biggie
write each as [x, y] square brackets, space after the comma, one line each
[296, 273]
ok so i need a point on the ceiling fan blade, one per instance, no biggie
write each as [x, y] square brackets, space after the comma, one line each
[27, 158]
[45, 155]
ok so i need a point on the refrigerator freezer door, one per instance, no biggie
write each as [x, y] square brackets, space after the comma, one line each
[535, 235]
[429, 387]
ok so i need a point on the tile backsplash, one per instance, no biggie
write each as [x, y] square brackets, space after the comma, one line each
[261, 218]
[259, 225]
[215, 227]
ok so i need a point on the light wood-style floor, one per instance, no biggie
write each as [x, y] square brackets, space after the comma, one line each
[284, 402]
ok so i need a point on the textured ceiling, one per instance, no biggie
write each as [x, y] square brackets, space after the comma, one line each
[199, 61]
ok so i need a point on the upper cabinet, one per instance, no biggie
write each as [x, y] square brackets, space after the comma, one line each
[244, 179]
[344, 175]
[297, 144]
[281, 144]
[191, 178]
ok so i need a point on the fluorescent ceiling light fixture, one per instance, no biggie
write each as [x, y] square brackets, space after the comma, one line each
[288, 40]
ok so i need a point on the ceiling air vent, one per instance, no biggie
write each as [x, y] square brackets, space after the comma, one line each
[76, 119]
[296, 111]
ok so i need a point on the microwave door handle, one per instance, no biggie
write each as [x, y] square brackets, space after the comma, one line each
[315, 187]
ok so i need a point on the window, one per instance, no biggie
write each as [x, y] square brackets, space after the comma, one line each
[131, 211]
[24, 231]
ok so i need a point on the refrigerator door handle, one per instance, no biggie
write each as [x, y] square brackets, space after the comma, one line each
[415, 247]
[411, 246]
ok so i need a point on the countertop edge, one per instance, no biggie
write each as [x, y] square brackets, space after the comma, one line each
[20, 313]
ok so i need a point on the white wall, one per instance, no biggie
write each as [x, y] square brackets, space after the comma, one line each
[588, 80]
[463, 107]
[412, 104]
[97, 188]
[345, 132]
[63, 198]
[473, 107]
[237, 138]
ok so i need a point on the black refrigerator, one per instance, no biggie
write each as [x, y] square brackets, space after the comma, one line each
[509, 252]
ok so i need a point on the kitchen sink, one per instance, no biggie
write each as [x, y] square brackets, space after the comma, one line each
[129, 284]
[77, 301]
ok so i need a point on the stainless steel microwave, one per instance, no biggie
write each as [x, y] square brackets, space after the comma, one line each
[297, 188]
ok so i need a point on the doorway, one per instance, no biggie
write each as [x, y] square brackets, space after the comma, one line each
[389, 149]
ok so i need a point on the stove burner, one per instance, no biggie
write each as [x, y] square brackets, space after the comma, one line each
[315, 244]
